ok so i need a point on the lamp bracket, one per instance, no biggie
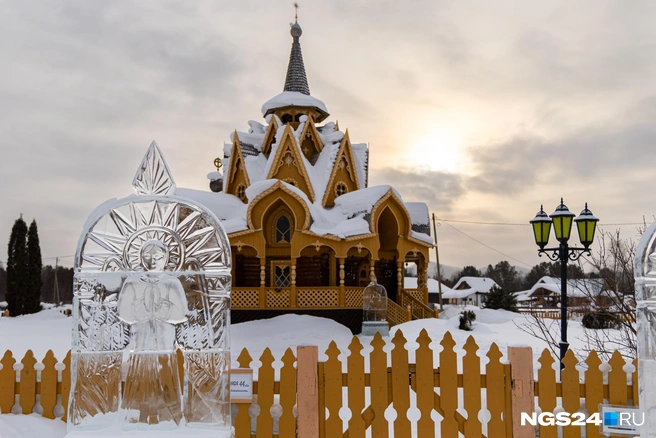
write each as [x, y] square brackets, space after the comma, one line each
[572, 254]
[552, 254]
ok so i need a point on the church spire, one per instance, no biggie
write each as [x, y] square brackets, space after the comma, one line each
[296, 79]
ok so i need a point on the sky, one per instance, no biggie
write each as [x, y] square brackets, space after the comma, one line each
[483, 110]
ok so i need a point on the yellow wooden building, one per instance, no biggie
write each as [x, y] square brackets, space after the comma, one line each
[307, 233]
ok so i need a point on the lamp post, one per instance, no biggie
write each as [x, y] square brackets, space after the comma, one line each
[562, 220]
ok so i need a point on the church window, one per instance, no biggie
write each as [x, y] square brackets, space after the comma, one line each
[241, 192]
[283, 230]
[287, 118]
[291, 181]
[340, 188]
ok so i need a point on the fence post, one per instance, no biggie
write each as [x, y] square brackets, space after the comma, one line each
[408, 313]
[307, 385]
[523, 391]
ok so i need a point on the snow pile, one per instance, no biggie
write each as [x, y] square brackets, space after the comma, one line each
[33, 425]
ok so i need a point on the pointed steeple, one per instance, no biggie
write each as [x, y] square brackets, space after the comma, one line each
[296, 78]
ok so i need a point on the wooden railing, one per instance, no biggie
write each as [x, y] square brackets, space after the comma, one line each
[418, 309]
[311, 297]
[396, 314]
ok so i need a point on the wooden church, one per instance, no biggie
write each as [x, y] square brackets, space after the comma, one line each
[306, 231]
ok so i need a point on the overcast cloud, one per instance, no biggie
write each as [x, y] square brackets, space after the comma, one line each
[484, 110]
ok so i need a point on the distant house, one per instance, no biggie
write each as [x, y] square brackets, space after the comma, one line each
[433, 291]
[470, 290]
[545, 293]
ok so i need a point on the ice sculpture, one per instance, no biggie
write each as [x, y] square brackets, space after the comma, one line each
[645, 282]
[151, 307]
[374, 310]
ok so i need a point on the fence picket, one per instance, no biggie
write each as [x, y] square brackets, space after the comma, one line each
[7, 382]
[48, 398]
[594, 391]
[66, 384]
[265, 395]
[378, 386]
[471, 380]
[494, 388]
[425, 386]
[547, 391]
[400, 387]
[617, 386]
[243, 419]
[27, 395]
[571, 399]
[287, 395]
[355, 380]
[448, 387]
[333, 391]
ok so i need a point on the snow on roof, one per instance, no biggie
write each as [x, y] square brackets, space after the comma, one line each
[455, 294]
[292, 98]
[411, 283]
[476, 284]
[419, 216]
[228, 208]
[575, 288]
[361, 157]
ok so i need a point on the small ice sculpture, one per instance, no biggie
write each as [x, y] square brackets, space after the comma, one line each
[374, 310]
[151, 307]
[645, 281]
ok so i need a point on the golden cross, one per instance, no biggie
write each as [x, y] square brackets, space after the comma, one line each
[296, 12]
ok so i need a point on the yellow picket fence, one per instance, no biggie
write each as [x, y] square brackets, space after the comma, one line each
[433, 395]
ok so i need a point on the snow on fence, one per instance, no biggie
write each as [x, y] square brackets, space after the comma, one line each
[386, 394]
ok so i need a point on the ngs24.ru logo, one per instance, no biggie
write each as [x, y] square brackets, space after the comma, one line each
[612, 419]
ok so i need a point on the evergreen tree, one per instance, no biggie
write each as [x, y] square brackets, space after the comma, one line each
[34, 265]
[17, 268]
[498, 298]
[505, 275]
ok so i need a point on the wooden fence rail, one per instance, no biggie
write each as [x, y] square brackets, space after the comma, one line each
[446, 394]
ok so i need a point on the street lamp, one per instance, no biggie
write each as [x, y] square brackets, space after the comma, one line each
[562, 220]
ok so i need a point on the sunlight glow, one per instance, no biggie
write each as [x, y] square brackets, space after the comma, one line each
[439, 149]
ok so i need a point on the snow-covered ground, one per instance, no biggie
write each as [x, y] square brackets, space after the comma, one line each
[50, 329]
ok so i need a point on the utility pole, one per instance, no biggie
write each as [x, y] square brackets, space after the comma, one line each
[56, 288]
[437, 259]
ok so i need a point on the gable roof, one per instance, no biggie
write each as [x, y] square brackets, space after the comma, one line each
[476, 284]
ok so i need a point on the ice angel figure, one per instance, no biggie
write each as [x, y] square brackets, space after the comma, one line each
[151, 307]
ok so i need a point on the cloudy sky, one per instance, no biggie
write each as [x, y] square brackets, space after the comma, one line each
[484, 110]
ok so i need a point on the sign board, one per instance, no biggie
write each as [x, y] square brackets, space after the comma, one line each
[621, 420]
[241, 385]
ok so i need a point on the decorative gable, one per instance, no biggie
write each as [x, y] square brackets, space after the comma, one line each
[288, 165]
[270, 136]
[237, 181]
[344, 176]
[310, 142]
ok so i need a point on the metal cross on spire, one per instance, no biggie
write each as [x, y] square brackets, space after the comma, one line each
[296, 12]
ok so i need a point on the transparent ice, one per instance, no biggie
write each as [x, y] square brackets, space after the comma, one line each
[374, 303]
[151, 345]
[645, 280]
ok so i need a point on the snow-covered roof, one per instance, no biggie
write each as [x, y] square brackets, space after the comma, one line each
[419, 216]
[575, 288]
[475, 284]
[411, 283]
[292, 98]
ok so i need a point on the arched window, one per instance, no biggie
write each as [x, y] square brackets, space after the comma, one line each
[298, 117]
[340, 188]
[291, 181]
[283, 230]
[287, 118]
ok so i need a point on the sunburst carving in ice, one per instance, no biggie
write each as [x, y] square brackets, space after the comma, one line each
[153, 176]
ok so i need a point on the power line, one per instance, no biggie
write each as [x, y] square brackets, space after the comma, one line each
[488, 246]
[523, 225]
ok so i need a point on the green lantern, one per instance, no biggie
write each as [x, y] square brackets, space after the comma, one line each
[586, 224]
[541, 227]
[562, 219]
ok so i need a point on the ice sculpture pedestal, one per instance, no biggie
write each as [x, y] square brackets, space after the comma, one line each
[151, 308]
[374, 310]
[370, 328]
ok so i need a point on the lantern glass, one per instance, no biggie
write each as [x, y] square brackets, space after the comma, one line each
[562, 220]
[541, 228]
[586, 224]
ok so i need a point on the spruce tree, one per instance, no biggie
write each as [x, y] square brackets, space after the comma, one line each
[498, 298]
[34, 266]
[17, 270]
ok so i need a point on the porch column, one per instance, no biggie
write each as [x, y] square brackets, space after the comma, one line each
[399, 275]
[332, 280]
[342, 289]
[372, 270]
[292, 290]
[262, 282]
